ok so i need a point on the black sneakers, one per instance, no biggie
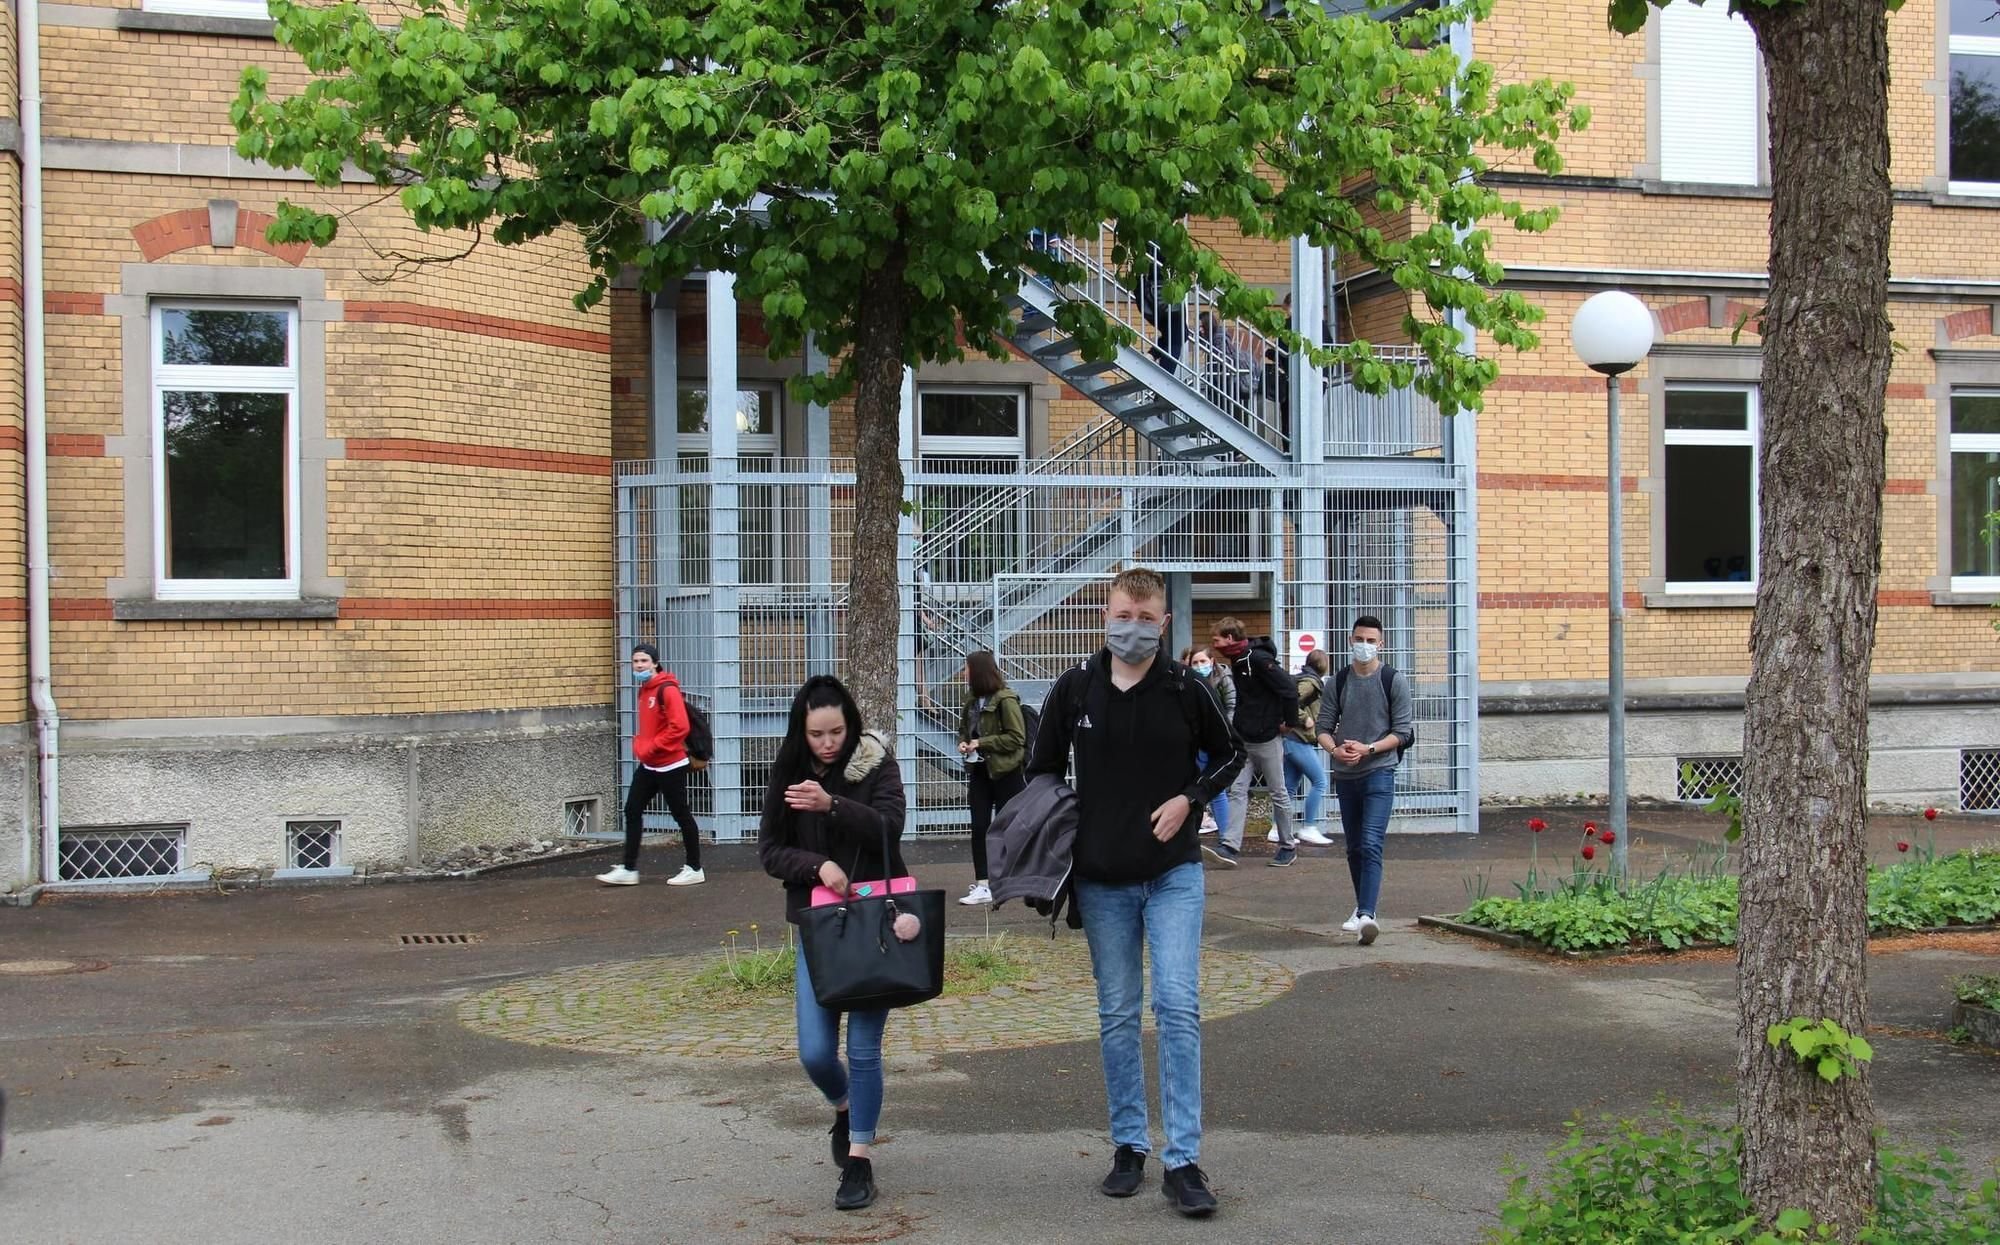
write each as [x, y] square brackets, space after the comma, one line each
[839, 1134]
[1187, 1188]
[1128, 1168]
[857, 1186]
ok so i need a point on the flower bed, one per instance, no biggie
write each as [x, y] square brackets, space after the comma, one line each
[1587, 910]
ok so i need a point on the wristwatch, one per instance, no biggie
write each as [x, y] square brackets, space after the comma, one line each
[1371, 750]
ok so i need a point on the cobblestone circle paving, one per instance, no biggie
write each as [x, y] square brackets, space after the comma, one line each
[643, 1007]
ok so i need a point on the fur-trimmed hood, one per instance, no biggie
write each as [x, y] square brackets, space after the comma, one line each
[868, 754]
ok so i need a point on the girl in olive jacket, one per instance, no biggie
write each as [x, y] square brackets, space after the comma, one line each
[993, 739]
[835, 792]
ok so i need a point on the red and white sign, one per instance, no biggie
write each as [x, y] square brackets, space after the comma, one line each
[1300, 644]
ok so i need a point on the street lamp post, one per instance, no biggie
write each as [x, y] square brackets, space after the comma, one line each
[1612, 332]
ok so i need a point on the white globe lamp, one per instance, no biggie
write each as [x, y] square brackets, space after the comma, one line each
[1612, 332]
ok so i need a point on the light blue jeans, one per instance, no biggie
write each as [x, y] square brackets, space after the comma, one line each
[1304, 760]
[859, 1083]
[1218, 808]
[1365, 805]
[1163, 919]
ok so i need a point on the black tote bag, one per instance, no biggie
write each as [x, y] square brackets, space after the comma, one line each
[858, 964]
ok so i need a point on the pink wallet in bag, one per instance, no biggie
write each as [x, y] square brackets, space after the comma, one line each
[822, 895]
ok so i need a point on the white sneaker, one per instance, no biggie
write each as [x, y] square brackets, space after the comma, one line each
[1368, 930]
[978, 893]
[687, 877]
[1352, 924]
[1311, 834]
[1273, 836]
[1207, 827]
[621, 876]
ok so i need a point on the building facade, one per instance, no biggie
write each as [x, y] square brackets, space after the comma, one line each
[341, 569]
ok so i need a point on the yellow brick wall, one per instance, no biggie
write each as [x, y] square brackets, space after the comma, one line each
[417, 535]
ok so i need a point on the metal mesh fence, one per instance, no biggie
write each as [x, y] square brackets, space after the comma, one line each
[312, 844]
[122, 852]
[1696, 777]
[1979, 780]
[740, 580]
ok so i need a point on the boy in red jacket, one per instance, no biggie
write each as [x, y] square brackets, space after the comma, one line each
[660, 746]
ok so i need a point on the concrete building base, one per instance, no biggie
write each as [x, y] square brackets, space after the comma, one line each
[404, 789]
[1548, 741]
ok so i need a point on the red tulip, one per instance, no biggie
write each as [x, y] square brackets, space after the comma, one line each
[1590, 827]
[1902, 846]
[1608, 837]
[1537, 824]
[1930, 814]
[1589, 852]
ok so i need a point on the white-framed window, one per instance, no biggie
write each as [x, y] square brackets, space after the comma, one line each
[246, 10]
[1711, 120]
[1975, 490]
[758, 415]
[225, 451]
[1711, 488]
[972, 531]
[1974, 103]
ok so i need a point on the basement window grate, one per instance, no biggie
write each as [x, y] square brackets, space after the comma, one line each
[580, 817]
[1979, 780]
[1695, 775]
[122, 852]
[312, 844]
[436, 940]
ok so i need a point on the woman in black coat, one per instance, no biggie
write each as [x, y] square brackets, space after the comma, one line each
[835, 791]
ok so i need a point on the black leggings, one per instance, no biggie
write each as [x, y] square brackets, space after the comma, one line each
[646, 784]
[988, 795]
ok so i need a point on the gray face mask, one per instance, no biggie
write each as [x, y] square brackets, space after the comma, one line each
[1131, 641]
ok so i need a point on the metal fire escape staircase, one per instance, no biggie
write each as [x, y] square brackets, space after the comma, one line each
[1212, 411]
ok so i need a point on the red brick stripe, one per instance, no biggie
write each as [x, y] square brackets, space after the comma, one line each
[1692, 314]
[80, 609]
[10, 290]
[455, 321]
[73, 303]
[1505, 383]
[1906, 389]
[475, 609]
[13, 609]
[1553, 600]
[1531, 482]
[1905, 486]
[1978, 322]
[13, 440]
[460, 454]
[1893, 598]
[75, 445]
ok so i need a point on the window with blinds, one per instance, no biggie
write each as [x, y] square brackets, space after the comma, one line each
[1711, 127]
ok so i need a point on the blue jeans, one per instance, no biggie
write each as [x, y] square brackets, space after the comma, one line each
[1162, 917]
[1304, 760]
[1365, 805]
[1218, 808]
[859, 1084]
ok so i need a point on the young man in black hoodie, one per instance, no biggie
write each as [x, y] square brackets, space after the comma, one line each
[1137, 722]
[1267, 703]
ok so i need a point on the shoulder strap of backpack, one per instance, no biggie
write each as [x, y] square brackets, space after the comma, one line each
[1339, 695]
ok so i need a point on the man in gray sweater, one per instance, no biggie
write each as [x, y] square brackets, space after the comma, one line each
[1366, 719]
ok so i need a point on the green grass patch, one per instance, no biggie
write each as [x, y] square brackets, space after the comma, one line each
[1588, 910]
[741, 974]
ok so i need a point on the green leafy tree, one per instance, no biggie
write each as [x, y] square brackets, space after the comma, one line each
[1803, 922]
[871, 169]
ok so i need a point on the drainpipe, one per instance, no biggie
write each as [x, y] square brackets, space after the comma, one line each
[35, 410]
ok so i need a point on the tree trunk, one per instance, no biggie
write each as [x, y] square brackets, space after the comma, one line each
[1804, 934]
[874, 599]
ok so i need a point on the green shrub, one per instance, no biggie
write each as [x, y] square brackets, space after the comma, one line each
[1672, 1177]
[1977, 989]
[1587, 910]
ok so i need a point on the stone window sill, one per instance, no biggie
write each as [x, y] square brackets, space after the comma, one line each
[1701, 600]
[1987, 599]
[193, 24]
[144, 610]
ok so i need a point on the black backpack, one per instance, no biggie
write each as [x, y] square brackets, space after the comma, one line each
[1031, 726]
[1388, 692]
[701, 737]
